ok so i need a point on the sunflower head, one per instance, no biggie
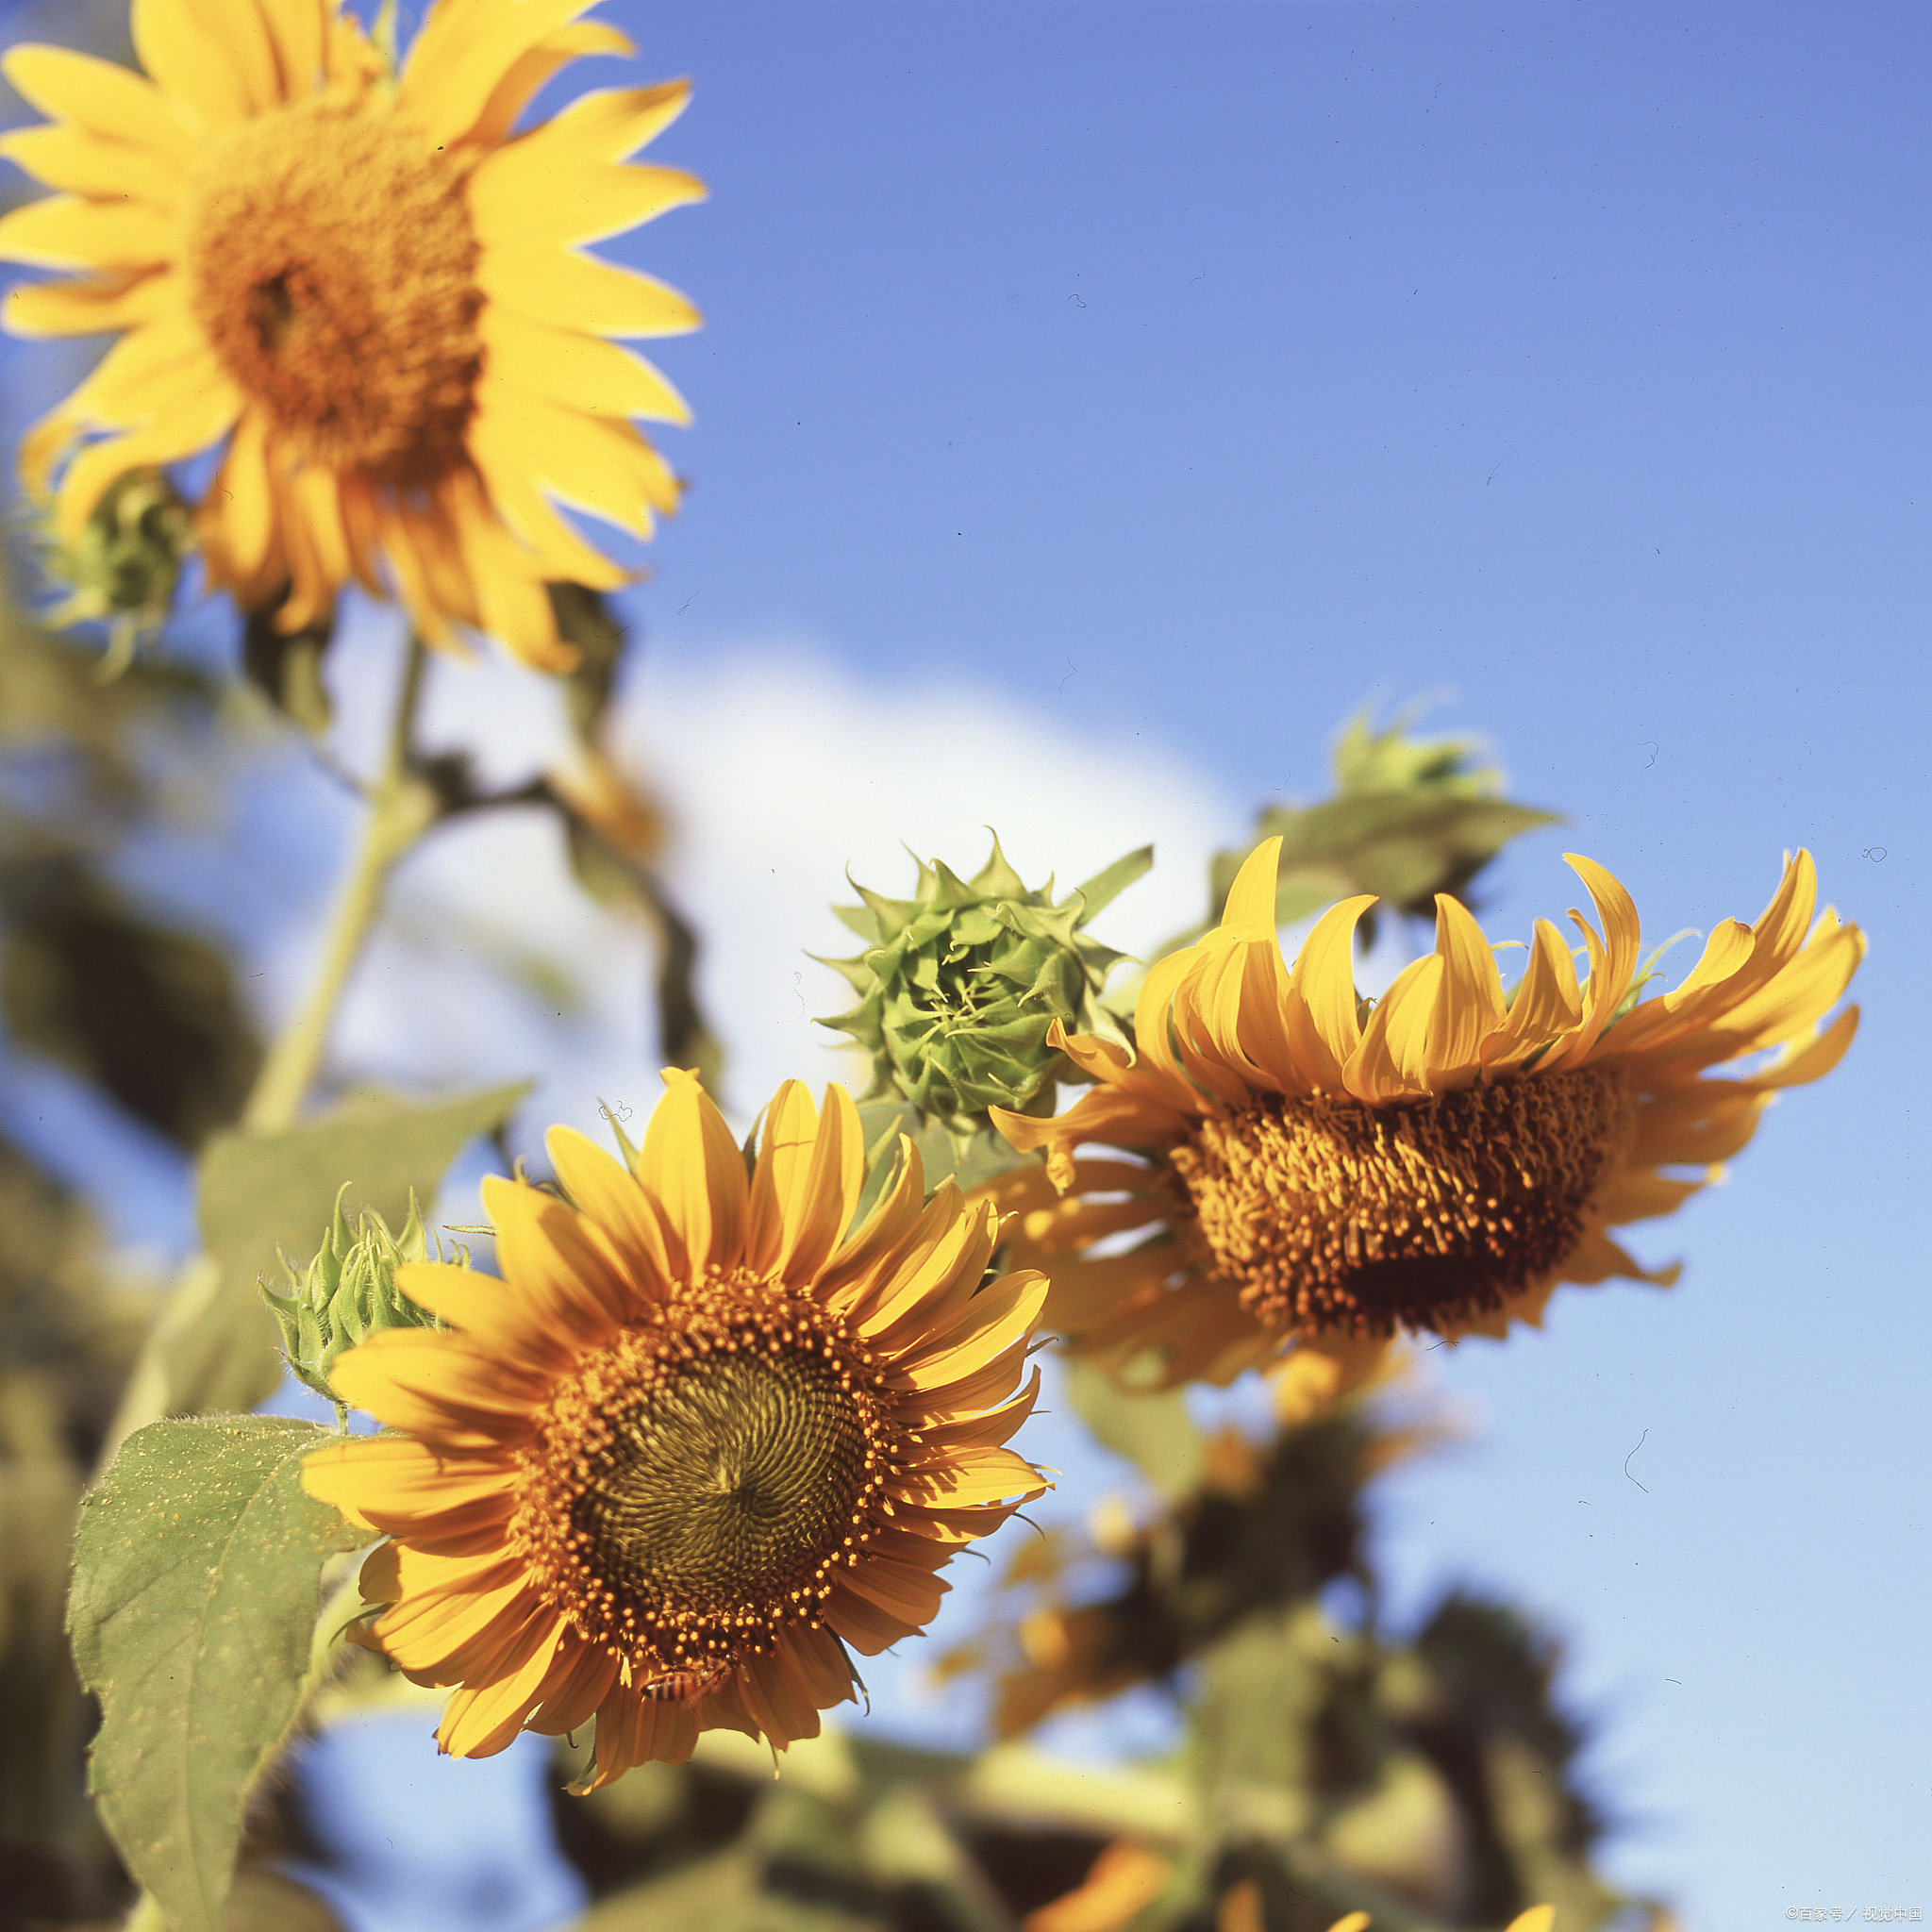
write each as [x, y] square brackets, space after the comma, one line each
[961, 982]
[703, 1436]
[348, 1293]
[125, 563]
[366, 289]
[1310, 1168]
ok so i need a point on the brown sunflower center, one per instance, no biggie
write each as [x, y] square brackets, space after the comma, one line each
[332, 265]
[1333, 1214]
[697, 1483]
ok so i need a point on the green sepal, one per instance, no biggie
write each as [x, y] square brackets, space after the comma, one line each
[348, 1293]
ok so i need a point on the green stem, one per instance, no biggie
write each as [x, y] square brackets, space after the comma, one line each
[401, 809]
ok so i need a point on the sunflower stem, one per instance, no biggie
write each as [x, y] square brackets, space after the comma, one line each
[401, 808]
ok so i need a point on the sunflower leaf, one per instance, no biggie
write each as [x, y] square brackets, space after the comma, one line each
[193, 1620]
[1151, 1430]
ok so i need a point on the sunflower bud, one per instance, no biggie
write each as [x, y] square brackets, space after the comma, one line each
[959, 984]
[125, 563]
[348, 1293]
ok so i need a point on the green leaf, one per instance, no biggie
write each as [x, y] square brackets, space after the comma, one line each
[193, 1615]
[286, 667]
[213, 1346]
[149, 1014]
[1151, 1430]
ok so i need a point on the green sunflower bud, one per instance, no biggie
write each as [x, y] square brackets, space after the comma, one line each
[958, 985]
[349, 1293]
[125, 563]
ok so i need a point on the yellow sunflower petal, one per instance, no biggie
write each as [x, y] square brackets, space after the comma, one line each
[614, 123]
[518, 1327]
[480, 1722]
[520, 198]
[103, 98]
[935, 1274]
[1613, 962]
[862, 1623]
[457, 61]
[593, 462]
[192, 63]
[576, 291]
[810, 1174]
[573, 1697]
[246, 516]
[979, 1334]
[851, 1273]
[611, 1195]
[69, 158]
[64, 231]
[437, 1386]
[298, 30]
[1468, 1005]
[192, 423]
[1324, 982]
[1250, 907]
[89, 307]
[511, 602]
[898, 1588]
[506, 460]
[528, 72]
[562, 1265]
[975, 1475]
[820, 1665]
[694, 1174]
[776, 1701]
[579, 371]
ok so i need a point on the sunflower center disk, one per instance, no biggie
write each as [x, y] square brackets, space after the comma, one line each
[332, 265]
[694, 1487]
[731, 1477]
[1334, 1214]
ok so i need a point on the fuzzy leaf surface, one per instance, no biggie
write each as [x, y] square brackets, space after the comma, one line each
[192, 1616]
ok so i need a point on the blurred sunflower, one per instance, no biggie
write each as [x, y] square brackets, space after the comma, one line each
[1328, 1171]
[695, 1441]
[368, 287]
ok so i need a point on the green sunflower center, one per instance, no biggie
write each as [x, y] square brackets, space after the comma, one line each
[1330, 1214]
[331, 263]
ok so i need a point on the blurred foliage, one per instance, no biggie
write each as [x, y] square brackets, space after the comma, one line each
[125, 565]
[286, 668]
[68, 1332]
[148, 1013]
[1410, 818]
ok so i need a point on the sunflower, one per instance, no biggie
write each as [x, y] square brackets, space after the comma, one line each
[368, 287]
[697, 1440]
[1309, 1167]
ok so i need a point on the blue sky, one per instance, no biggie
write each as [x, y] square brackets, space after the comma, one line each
[1168, 381]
